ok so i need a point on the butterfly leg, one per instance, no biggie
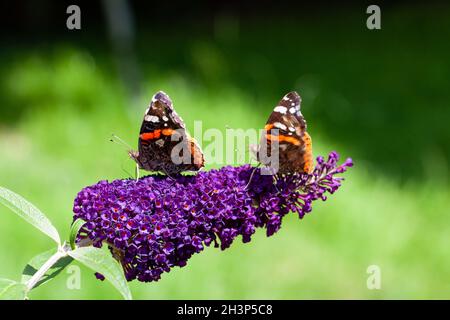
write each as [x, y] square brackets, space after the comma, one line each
[137, 172]
[170, 177]
[251, 176]
[275, 182]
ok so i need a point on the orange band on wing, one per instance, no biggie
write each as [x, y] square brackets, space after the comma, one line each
[146, 136]
[150, 135]
[267, 127]
[167, 132]
[282, 138]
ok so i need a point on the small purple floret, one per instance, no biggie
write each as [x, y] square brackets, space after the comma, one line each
[154, 224]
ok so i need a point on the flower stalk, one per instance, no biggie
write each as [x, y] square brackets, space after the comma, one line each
[60, 253]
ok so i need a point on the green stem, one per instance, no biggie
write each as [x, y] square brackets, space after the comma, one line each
[61, 253]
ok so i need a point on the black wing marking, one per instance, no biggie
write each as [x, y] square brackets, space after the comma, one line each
[287, 117]
[161, 115]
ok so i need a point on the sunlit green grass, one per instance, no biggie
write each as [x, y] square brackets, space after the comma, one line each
[61, 144]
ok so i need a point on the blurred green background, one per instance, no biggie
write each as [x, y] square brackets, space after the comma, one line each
[381, 97]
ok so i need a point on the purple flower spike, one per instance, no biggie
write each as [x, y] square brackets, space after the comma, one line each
[155, 223]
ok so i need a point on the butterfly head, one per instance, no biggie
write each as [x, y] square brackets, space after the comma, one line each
[133, 154]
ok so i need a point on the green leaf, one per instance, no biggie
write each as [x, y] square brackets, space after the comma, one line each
[12, 290]
[76, 226]
[101, 261]
[38, 261]
[29, 212]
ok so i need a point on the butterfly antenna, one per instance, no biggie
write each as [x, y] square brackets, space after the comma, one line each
[116, 142]
[119, 141]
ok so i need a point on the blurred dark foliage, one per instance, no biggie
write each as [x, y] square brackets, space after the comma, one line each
[383, 94]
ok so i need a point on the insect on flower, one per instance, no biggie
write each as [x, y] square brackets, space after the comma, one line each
[164, 143]
[285, 144]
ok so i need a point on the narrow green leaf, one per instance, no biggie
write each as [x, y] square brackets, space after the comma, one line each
[101, 261]
[76, 226]
[29, 212]
[38, 261]
[12, 290]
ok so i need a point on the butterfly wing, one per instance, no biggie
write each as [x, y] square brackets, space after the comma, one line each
[161, 131]
[160, 114]
[287, 126]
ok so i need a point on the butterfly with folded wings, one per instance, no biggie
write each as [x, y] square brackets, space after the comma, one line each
[164, 144]
[287, 126]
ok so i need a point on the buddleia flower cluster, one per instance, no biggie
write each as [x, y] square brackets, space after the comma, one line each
[156, 223]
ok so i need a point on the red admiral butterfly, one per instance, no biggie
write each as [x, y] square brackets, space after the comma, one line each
[287, 126]
[164, 143]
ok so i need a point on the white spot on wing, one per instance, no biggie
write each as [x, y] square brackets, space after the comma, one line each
[280, 109]
[165, 118]
[160, 143]
[293, 110]
[151, 118]
[279, 125]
